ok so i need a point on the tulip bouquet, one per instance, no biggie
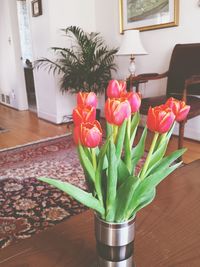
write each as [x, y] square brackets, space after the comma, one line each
[116, 190]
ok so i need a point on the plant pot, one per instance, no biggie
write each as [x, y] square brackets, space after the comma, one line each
[114, 243]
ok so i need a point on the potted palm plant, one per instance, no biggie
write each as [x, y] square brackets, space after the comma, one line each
[85, 66]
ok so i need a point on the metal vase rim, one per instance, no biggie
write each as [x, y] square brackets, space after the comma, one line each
[114, 234]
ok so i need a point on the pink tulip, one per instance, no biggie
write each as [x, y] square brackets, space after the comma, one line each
[115, 88]
[87, 99]
[160, 119]
[179, 108]
[83, 114]
[88, 134]
[117, 110]
[135, 101]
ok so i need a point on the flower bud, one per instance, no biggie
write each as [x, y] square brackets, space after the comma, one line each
[115, 88]
[87, 99]
[117, 110]
[179, 108]
[88, 134]
[134, 101]
[83, 114]
[160, 119]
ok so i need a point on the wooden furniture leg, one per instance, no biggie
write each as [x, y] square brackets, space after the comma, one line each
[181, 136]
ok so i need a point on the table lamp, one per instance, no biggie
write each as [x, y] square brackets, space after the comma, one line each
[131, 46]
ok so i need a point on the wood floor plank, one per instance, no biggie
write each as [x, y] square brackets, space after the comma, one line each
[24, 127]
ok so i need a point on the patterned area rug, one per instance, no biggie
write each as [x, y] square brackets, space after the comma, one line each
[28, 206]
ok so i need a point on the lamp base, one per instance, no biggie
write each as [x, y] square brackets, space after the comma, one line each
[132, 66]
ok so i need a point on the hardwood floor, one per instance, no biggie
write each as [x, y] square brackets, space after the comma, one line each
[24, 127]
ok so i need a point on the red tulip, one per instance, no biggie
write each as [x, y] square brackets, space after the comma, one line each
[179, 108]
[117, 110]
[87, 99]
[115, 88]
[160, 119]
[83, 114]
[88, 134]
[135, 101]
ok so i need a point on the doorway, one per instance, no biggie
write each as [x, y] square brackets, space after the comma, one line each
[26, 50]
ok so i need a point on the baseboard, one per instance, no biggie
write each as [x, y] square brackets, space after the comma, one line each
[190, 133]
[47, 117]
[7, 105]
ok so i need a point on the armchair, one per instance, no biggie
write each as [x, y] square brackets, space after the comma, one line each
[183, 82]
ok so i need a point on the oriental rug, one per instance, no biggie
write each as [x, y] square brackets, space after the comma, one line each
[28, 206]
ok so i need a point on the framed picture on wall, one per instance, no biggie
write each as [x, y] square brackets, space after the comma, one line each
[36, 8]
[147, 15]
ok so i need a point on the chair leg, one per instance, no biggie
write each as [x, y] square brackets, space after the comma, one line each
[181, 136]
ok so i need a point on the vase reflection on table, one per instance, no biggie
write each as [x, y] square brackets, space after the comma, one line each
[117, 191]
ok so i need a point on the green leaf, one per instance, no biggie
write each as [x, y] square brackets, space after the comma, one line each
[134, 124]
[86, 163]
[154, 179]
[124, 197]
[145, 200]
[100, 164]
[147, 185]
[89, 181]
[138, 150]
[104, 148]
[157, 156]
[127, 146]
[111, 182]
[150, 182]
[105, 163]
[88, 153]
[80, 195]
[109, 129]
[167, 161]
[123, 172]
[120, 139]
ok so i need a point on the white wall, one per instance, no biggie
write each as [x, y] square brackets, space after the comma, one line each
[45, 29]
[158, 43]
[11, 69]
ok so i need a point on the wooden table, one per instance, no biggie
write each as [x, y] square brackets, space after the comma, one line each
[167, 232]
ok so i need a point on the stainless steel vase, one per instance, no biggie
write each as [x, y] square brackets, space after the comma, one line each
[114, 243]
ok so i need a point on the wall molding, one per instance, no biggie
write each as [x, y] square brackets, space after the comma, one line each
[47, 116]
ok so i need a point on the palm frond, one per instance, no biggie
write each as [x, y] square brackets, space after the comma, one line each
[48, 65]
[86, 66]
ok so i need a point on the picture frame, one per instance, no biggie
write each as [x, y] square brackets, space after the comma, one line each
[36, 8]
[147, 15]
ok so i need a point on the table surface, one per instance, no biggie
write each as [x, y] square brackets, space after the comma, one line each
[167, 232]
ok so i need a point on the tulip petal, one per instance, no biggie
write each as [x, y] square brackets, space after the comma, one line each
[87, 99]
[160, 119]
[183, 114]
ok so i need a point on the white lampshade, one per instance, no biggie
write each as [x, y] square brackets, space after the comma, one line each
[131, 44]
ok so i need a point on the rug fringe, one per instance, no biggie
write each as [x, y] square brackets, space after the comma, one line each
[35, 142]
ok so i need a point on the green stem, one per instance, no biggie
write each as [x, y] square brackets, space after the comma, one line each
[127, 145]
[94, 160]
[115, 131]
[146, 164]
[162, 137]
